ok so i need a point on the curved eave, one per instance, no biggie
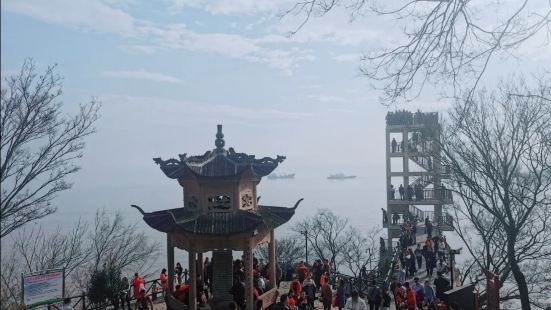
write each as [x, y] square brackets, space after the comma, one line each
[218, 223]
[273, 216]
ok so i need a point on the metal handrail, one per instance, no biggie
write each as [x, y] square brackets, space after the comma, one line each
[81, 299]
[441, 194]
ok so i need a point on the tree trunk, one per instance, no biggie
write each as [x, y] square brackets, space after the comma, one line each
[517, 273]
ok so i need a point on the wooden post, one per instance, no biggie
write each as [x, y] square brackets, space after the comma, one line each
[170, 263]
[248, 262]
[272, 260]
[192, 279]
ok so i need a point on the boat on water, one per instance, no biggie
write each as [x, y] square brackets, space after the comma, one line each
[340, 176]
[274, 176]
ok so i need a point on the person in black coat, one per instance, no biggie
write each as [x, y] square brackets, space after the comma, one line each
[238, 292]
[442, 285]
[283, 303]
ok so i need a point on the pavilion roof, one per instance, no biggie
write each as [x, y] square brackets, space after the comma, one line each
[218, 162]
[218, 223]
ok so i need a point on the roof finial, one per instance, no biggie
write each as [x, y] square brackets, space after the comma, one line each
[219, 139]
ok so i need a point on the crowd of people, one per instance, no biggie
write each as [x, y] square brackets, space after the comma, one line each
[432, 254]
[416, 192]
[316, 283]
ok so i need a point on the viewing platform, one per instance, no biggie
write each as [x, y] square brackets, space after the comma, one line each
[428, 196]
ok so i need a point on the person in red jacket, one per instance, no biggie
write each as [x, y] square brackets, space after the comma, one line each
[164, 280]
[295, 286]
[411, 302]
[136, 283]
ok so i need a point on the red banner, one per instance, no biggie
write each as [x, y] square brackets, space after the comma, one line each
[492, 289]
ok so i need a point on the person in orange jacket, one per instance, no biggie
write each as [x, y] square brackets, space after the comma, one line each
[411, 301]
[302, 271]
[295, 286]
[136, 283]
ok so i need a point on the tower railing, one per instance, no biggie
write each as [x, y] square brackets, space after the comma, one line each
[442, 195]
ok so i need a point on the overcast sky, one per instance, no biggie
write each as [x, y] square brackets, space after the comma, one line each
[168, 71]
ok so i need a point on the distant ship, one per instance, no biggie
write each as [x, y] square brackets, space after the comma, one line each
[340, 176]
[274, 176]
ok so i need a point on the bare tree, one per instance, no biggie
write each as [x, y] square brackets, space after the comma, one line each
[288, 249]
[326, 235]
[445, 42]
[112, 243]
[499, 149]
[39, 145]
[32, 250]
[10, 290]
[40, 251]
[361, 249]
[119, 245]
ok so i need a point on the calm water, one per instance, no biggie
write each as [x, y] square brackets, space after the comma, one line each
[359, 200]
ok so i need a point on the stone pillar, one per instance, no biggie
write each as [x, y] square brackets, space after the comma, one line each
[272, 260]
[192, 280]
[222, 275]
[200, 265]
[248, 262]
[170, 262]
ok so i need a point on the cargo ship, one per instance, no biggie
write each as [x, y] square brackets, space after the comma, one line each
[274, 176]
[340, 176]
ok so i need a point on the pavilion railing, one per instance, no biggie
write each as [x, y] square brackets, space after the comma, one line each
[82, 301]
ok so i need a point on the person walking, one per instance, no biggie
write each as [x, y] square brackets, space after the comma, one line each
[419, 291]
[442, 284]
[341, 298]
[386, 299]
[429, 230]
[374, 296]
[355, 302]
[143, 302]
[411, 262]
[419, 256]
[283, 303]
[309, 287]
[238, 293]
[137, 284]
[411, 302]
[430, 261]
[326, 296]
[164, 280]
[302, 302]
[295, 286]
[179, 271]
[429, 293]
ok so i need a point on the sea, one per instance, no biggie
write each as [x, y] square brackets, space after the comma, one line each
[356, 200]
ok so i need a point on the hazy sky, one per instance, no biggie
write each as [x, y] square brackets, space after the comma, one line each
[168, 71]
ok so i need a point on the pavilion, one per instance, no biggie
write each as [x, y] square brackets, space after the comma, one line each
[220, 213]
